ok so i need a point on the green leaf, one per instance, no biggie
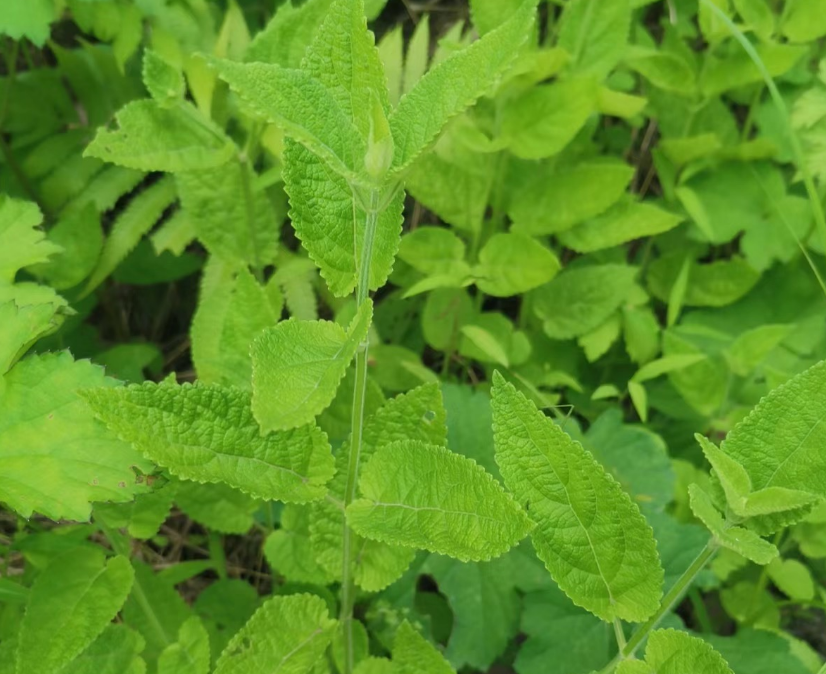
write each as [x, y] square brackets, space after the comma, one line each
[298, 365]
[286, 37]
[489, 14]
[412, 654]
[737, 69]
[586, 524]
[330, 224]
[549, 199]
[641, 332]
[742, 541]
[134, 221]
[304, 107]
[69, 606]
[803, 21]
[217, 506]
[232, 217]
[416, 415]
[624, 222]
[55, 457]
[579, 300]
[400, 505]
[779, 443]
[559, 632]
[543, 120]
[715, 284]
[142, 517]
[432, 250]
[115, 651]
[79, 235]
[190, 654]
[595, 34]
[288, 635]
[153, 138]
[155, 610]
[163, 80]
[485, 608]
[233, 309]
[666, 70]
[289, 549]
[511, 264]
[487, 343]
[454, 84]
[27, 19]
[675, 652]
[25, 244]
[661, 366]
[206, 433]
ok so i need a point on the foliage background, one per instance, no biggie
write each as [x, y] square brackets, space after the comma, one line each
[623, 227]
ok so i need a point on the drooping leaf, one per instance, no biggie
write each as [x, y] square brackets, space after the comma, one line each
[453, 85]
[287, 634]
[162, 79]
[675, 652]
[591, 536]
[154, 138]
[55, 457]
[399, 505]
[206, 433]
[289, 549]
[69, 606]
[298, 365]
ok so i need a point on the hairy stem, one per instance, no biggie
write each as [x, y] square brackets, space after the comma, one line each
[357, 429]
[670, 600]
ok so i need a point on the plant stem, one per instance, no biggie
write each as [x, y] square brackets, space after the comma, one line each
[668, 603]
[619, 634]
[357, 429]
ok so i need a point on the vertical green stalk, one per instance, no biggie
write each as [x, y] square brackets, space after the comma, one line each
[357, 430]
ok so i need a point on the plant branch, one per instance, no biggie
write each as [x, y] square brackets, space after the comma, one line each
[357, 429]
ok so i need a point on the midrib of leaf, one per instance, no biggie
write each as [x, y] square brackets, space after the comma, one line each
[795, 450]
[578, 519]
[295, 650]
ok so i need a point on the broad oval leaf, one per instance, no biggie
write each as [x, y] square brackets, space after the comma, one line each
[513, 263]
[590, 534]
[69, 606]
[413, 654]
[298, 365]
[288, 635]
[188, 655]
[424, 496]
[206, 433]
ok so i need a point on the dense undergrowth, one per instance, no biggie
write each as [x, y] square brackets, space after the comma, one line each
[494, 345]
